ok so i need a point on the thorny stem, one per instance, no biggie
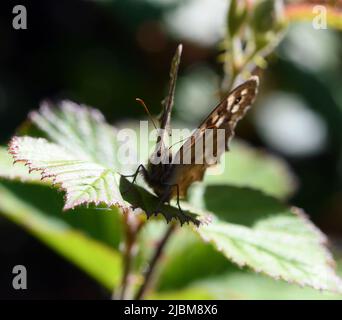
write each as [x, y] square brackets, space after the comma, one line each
[148, 276]
[132, 225]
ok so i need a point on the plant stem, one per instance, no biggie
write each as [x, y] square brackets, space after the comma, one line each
[132, 226]
[148, 276]
[235, 63]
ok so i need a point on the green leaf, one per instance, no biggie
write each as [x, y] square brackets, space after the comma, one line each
[99, 260]
[83, 181]
[255, 230]
[18, 172]
[251, 167]
[80, 130]
[82, 159]
[239, 285]
[102, 224]
[213, 277]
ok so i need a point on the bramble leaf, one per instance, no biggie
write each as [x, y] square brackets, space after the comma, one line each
[255, 230]
[83, 181]
[80, 130]
[17, 172]
[82, 160]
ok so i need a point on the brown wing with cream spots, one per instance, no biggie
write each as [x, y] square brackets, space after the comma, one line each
[234, 107]
[195, 156]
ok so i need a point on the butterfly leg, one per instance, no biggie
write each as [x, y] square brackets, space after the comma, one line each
[134, 175]
[178, 204]
[178, 197]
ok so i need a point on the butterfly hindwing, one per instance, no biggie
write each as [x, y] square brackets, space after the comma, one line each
[225, 116]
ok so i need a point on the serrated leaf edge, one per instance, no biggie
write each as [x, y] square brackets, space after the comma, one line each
[45, 174]
[322, 242]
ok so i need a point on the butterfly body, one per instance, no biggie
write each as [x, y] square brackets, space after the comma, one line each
[157, 177]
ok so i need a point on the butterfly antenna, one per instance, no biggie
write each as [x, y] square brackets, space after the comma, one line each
[177, 143]
[147, 111]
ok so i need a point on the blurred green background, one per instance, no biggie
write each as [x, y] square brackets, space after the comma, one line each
[107, 53]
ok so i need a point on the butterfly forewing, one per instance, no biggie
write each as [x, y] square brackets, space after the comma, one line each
[168, 102]
[160, 161]
[161, 152]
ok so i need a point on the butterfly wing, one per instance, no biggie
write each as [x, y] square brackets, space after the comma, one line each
[161, 149]
[168, 102]
[194, 157]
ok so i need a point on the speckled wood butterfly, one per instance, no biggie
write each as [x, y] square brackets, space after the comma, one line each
[169, 178]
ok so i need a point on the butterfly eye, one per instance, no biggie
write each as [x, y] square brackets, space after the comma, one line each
[237, 100]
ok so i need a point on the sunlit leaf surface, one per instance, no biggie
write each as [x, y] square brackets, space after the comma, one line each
[255, 230]
[81, 159]
[82, 180]
[15, 172]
